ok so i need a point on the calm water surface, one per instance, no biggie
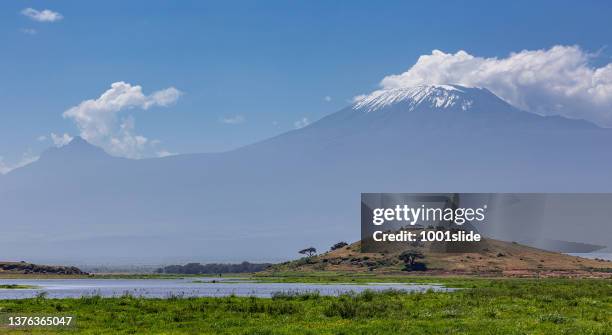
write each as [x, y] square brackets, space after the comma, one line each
[594, 255]
[187, 287]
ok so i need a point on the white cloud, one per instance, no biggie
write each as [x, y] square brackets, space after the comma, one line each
[60, 140]
[26, 159]
[41, 138]
[163, 98]
[327, 98]
[165, 153]
[99, 123]
[559, 80]
[44, 15]
[233, 119]
[303, 122]
[29, 31]
[358, 98]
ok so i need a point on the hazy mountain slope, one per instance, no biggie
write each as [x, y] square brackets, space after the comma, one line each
[267, 200]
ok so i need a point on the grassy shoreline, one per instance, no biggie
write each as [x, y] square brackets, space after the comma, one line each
[486, 306]
[17, 287]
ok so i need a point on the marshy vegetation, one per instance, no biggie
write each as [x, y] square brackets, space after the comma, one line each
[16, 287]
[484, 306]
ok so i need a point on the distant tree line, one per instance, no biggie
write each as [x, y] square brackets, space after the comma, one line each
[197, 268]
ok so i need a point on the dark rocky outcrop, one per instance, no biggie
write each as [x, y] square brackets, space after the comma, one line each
[29, 268]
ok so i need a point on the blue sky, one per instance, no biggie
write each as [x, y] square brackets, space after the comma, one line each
[272, 63]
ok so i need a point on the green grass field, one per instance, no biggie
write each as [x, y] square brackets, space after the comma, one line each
[481, 306]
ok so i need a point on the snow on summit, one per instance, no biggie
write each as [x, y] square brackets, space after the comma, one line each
[435, 96]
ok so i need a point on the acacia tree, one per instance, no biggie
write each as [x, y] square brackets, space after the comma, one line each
[409, 257]
[308, 251]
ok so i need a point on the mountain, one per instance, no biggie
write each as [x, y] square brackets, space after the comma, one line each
[442, 97]
[265, 201]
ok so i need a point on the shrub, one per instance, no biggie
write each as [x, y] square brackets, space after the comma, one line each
[338, 245]
[269, 307]
[554, 318]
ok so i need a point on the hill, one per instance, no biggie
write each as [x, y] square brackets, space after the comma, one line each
[492, 257]
[11, 268]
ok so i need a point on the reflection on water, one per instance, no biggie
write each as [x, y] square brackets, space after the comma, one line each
[187, 287]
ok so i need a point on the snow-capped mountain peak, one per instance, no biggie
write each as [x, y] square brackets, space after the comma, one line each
[435, 96]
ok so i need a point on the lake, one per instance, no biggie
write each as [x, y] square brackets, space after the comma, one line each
[594, 255]
[188, 287]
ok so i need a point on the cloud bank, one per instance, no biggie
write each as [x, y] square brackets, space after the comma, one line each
[44, 15]
[29, 31]
[99, 122]
[233, 119]
[26, 159]
[60, 140]
[301, 123]
[555, 81]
